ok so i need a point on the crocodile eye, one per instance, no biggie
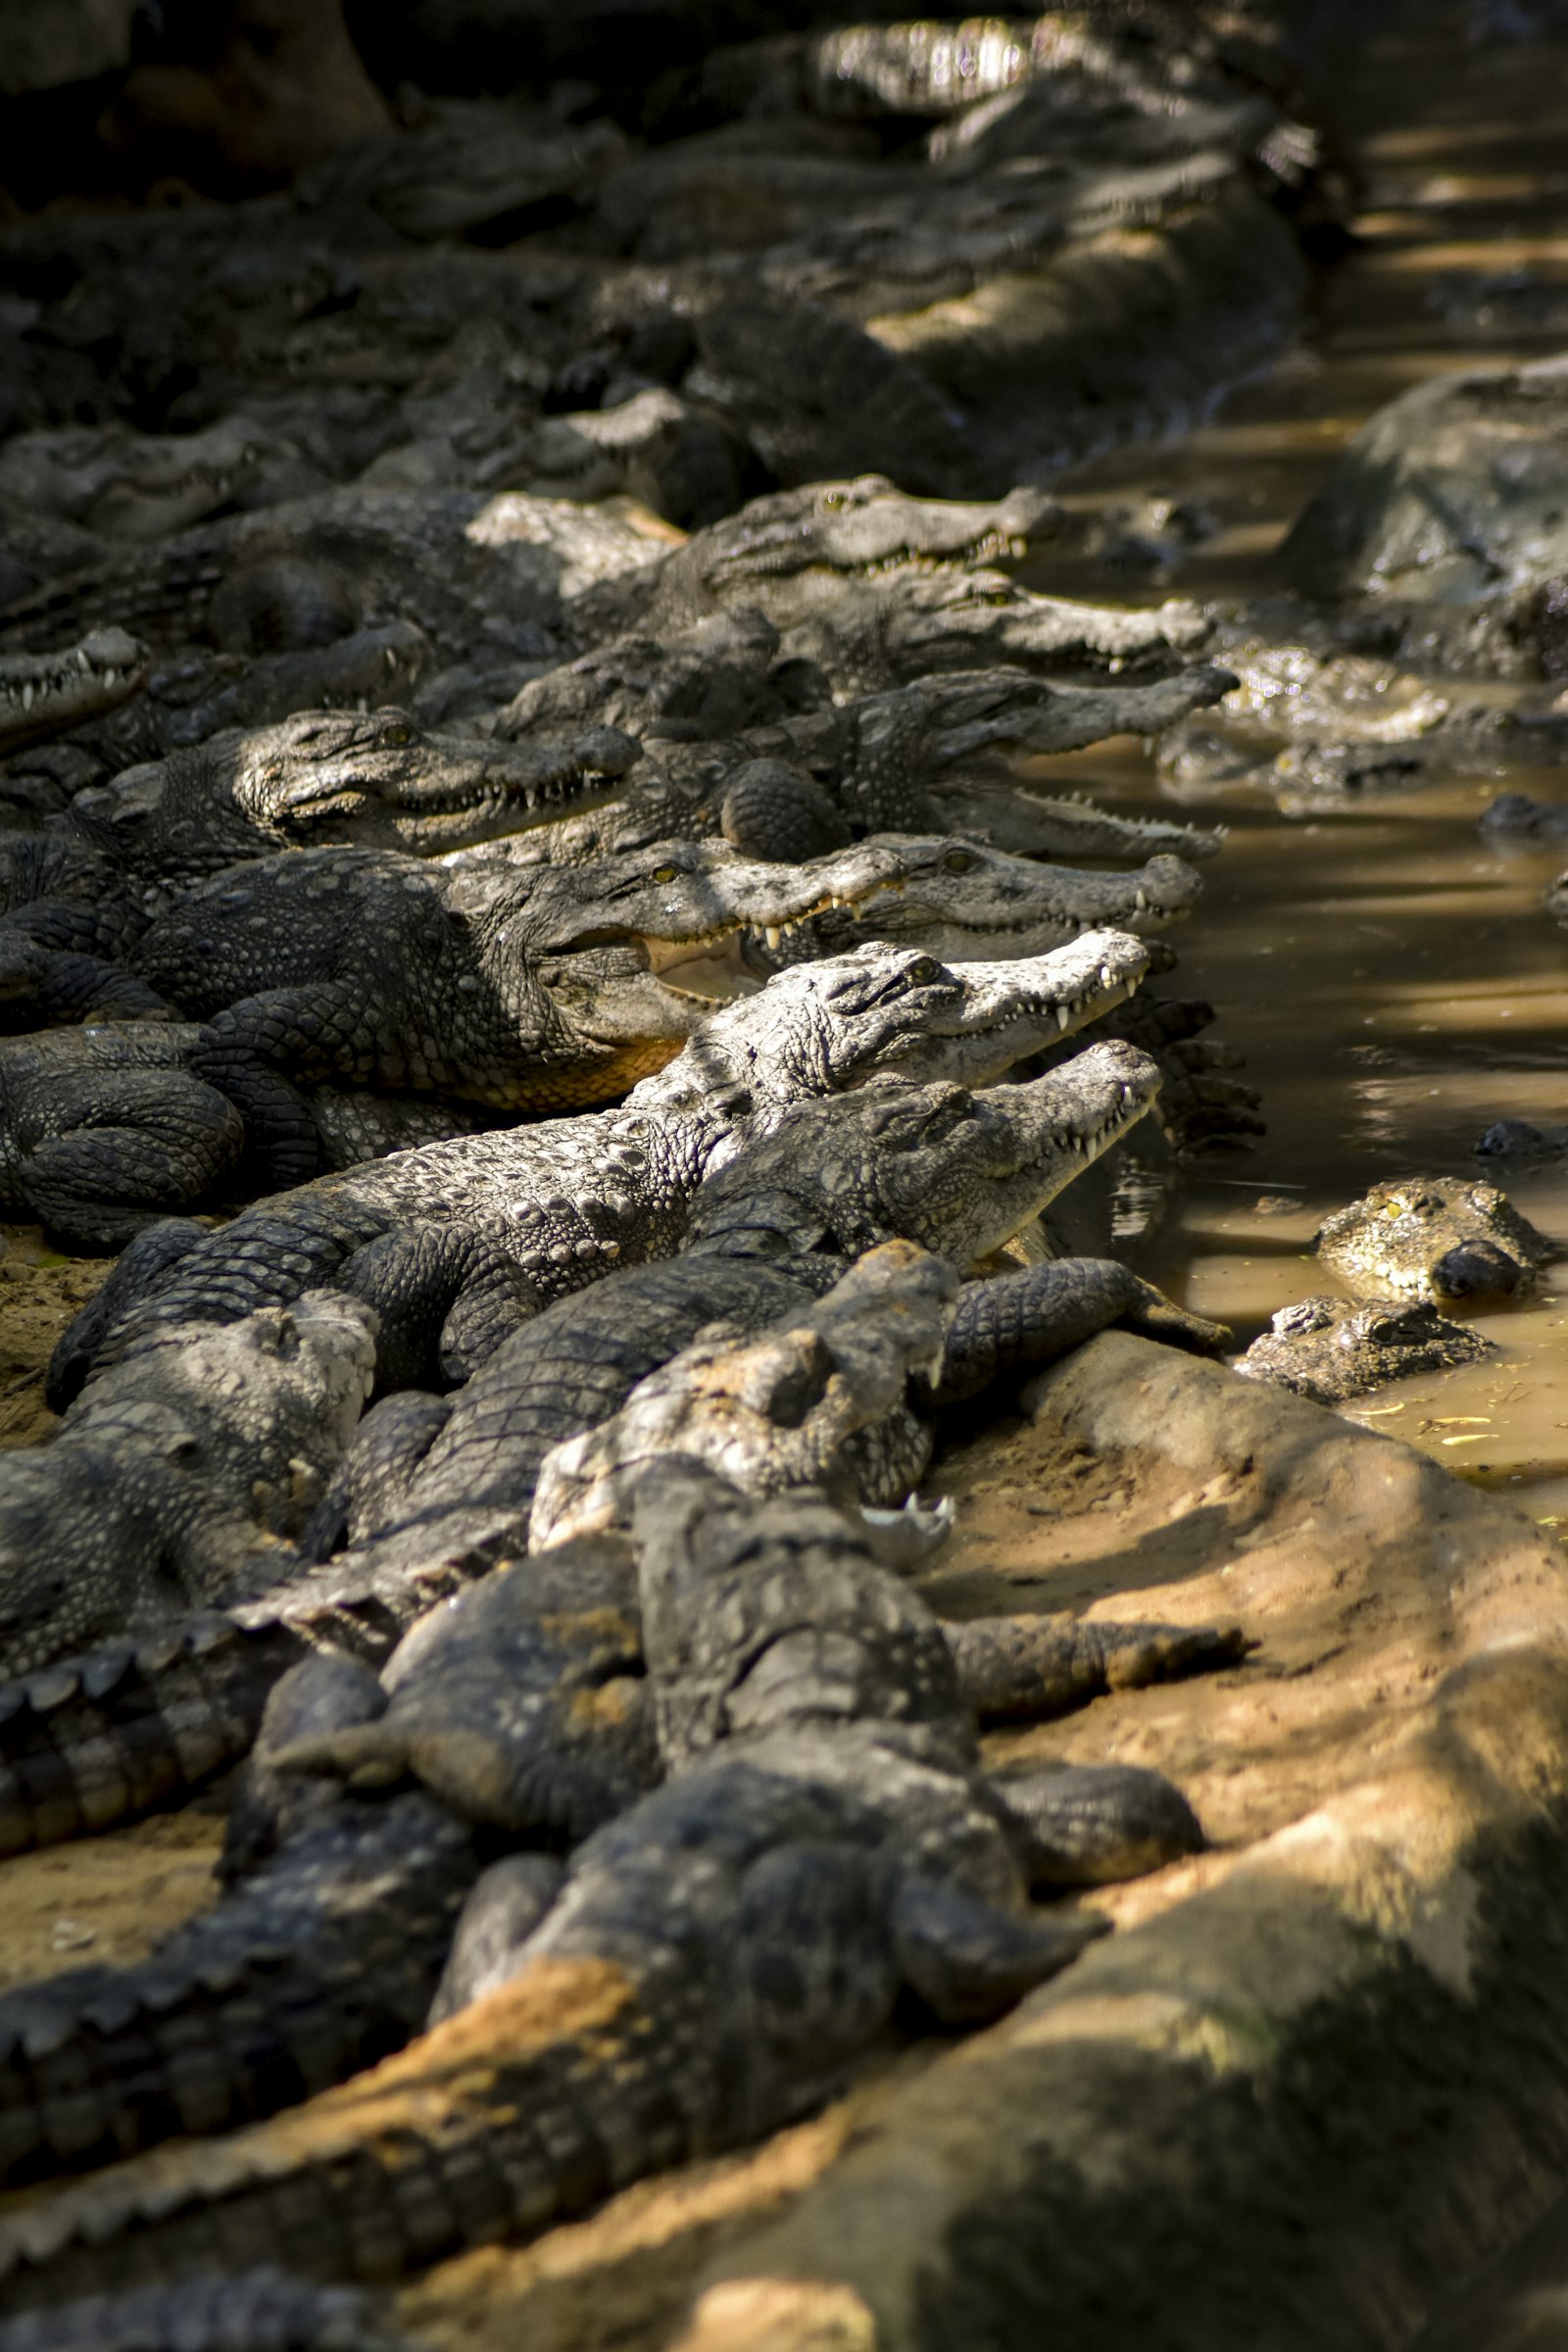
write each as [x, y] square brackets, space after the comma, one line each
[665, 874]
[924, 967]
[957, 861]
[398, 735]
[834, 498]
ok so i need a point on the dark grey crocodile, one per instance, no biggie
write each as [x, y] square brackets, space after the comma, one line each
[876, 588]
[50, 694]
[371, 779]
[457, 1243]
[540, 988]
[520, 987]
[1332, 1349]
[718, 1957]
[1433, 1238]
[929, 755]
[173, 1477]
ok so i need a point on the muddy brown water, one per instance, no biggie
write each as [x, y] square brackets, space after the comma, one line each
[1391, 977]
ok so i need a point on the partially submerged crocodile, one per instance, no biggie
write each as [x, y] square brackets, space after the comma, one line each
[716, 1957]
[457, 1243]
[1433, 1238]
[1332, 1349]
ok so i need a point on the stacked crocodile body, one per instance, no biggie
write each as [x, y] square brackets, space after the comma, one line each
[534, 932]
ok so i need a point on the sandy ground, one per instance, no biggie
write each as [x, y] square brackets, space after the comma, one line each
[40, 1290]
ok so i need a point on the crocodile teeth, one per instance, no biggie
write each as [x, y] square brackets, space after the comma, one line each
[26, 695]
[773, 935]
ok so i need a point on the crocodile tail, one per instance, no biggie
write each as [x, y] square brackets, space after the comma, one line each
[96, 1738]
[256, 2311]
[320, 1964]
[527, 2107]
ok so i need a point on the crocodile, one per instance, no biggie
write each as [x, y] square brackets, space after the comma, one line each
[437, 1486]
[719, 1956]
[1433, 1238]
[1330, 1349]
[877, 588]
[195, 691]
[457, 1243]
[363, 779]
[51, 694]
[927, 755]
[1515, 817]
[463, 569]
[177, 1476]
[143, 486]
[520, 989]
[366, 779]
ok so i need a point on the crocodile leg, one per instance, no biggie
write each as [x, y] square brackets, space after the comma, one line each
[1016, 1321]
[136, 1142]
[1036, 1667]
[447, 1297]
[88, 1742]
[1086, 1825]
[389, 1448]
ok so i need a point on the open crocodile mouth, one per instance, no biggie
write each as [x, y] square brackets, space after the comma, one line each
[1085, 1141]
[710, 965]
[37, 688]
[992, 547]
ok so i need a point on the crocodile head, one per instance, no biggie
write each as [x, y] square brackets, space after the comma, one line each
[48, 694]
[957, 1171]
[852, 528]
[959, 898]
[1433, 1236]
[618, 961]
[374, 779]
[825, 1027]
